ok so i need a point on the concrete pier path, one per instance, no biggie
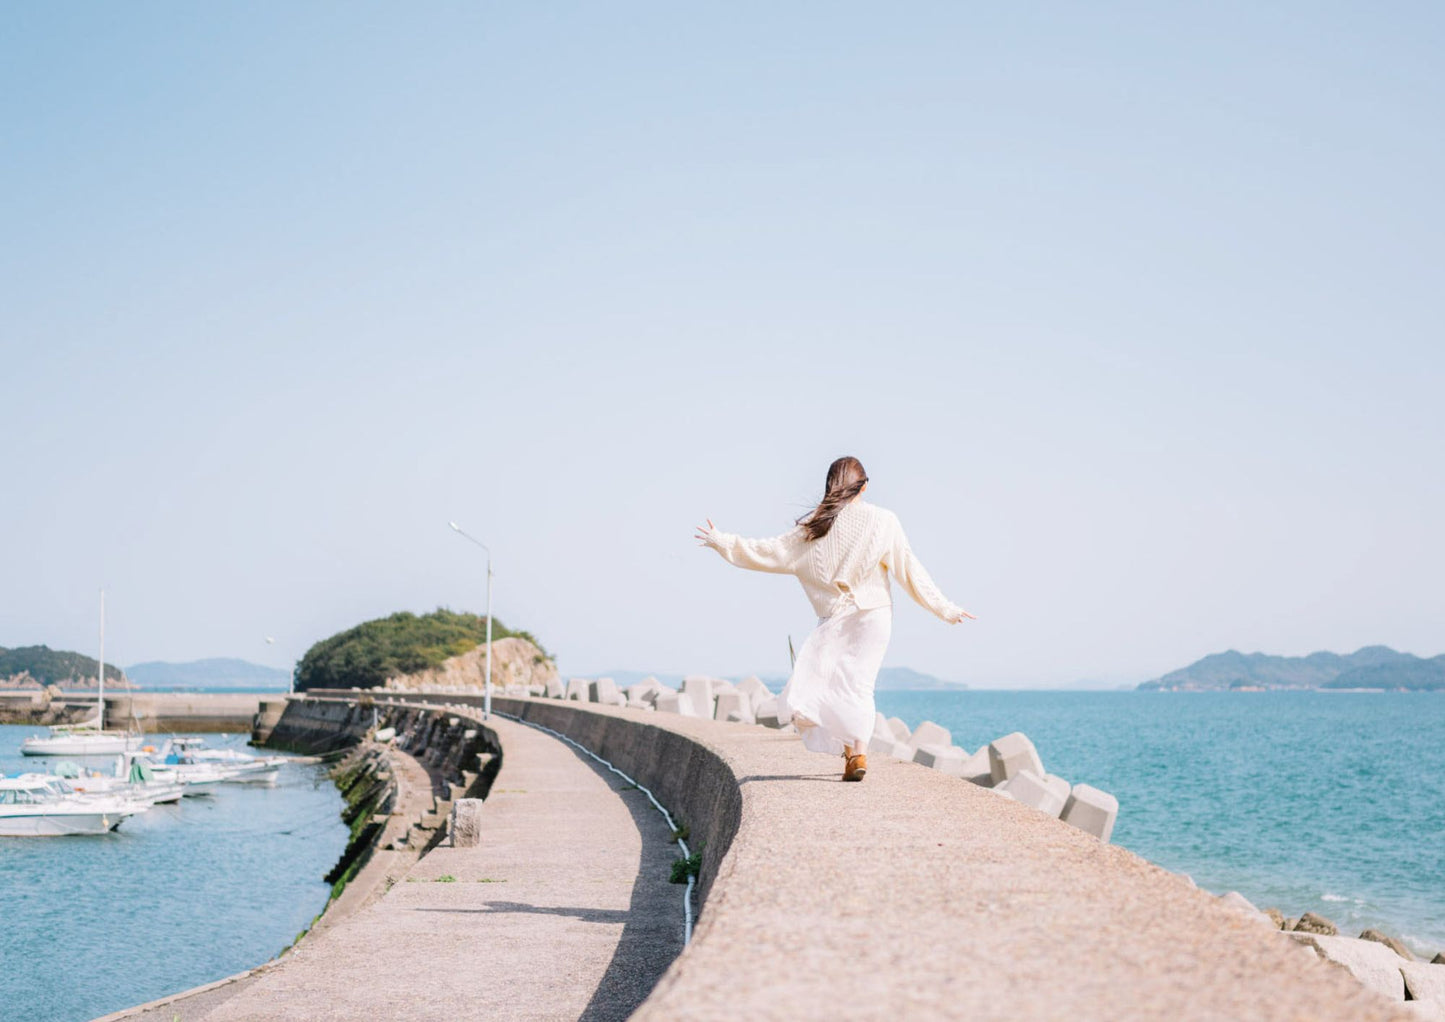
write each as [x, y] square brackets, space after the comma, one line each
[564, 911]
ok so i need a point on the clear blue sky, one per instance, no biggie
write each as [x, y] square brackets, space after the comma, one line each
[1132, 311]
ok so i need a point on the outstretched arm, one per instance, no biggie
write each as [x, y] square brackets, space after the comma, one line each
[779, 554]
[916, 582]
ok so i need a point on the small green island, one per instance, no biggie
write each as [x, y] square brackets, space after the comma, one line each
[403, 644]
[40, 666]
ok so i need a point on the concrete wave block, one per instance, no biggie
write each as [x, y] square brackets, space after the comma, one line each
[677, 702]
[754, 689]
[642, 694]
[1241, 904]
[938, 756]
[603, 690]
[734, 704]
[1012, 754]
[1092, 810]
[1393, 943]
[881, 729]
[702, 691]
[900, 729]
[1424, 982]
[1374, 965]
[929, 733]
[556, 689]
[578, 689]
[978, 768]
[465, 825]
[887, 745]
[1046, 793]
[766, 713]
[1429, 1011]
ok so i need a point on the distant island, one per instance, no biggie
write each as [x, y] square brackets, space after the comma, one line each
[403, 644]
[890, 679]
[1373, 667]
[215, 672]
[38, 666]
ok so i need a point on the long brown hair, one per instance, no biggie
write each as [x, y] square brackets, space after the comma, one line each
[846, 480]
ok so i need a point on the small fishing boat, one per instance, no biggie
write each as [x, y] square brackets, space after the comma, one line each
[39, 805]
[134, 777]
[235, 766]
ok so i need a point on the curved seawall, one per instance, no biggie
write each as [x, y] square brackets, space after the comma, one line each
[912, 895]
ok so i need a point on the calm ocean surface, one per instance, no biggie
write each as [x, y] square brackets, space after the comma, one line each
[1330, 803]
[178, 896]
[1306, 801]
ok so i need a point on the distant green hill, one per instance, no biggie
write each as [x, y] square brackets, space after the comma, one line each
[1370, 667]
[365, 656]
[216, 672]
[47, 666]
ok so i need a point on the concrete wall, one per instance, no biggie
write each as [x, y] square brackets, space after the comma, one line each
[182, 711]
[917, 894]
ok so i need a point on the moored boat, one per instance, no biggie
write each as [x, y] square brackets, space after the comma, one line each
[38, 805]
[90, 738]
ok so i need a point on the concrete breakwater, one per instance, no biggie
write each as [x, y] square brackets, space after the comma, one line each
[138, 711]
[913, 895]
[924, 897]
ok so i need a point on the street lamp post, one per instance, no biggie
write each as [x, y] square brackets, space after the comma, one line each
[487, 698]
[291, 680]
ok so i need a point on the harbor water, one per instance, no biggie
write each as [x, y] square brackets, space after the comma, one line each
[178, 896]
[1307, 801]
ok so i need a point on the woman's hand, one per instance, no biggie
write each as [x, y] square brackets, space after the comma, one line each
[962, 615]
[705, 534]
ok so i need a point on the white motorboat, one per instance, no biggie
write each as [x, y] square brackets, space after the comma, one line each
[134, 777]
[89, 738]
[235, 766]
[39, 806]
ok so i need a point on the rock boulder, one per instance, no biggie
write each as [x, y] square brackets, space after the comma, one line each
[1390, 942]
[1311, 923]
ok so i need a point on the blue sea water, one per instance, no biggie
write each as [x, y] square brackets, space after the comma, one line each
[178, 896]
[1308, 801]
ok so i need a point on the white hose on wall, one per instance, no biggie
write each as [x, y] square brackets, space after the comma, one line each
[672, 824]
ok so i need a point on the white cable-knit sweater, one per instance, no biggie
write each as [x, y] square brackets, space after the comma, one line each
[865, 543]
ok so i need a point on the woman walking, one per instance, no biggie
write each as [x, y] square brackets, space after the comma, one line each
[842, 552]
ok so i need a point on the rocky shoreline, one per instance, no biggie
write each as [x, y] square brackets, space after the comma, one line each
[1378, 961]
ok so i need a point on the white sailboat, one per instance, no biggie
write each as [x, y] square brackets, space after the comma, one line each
[89, 738]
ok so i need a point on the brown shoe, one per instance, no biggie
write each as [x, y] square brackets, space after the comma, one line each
[856, 768]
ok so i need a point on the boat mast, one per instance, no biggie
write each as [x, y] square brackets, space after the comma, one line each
[100, 682]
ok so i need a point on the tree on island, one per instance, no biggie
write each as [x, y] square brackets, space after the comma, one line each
[404, 643]
[45, 666]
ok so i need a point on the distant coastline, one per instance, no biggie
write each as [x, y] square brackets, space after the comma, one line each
[1371, 669]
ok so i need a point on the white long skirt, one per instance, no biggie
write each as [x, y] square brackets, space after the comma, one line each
[829, 698]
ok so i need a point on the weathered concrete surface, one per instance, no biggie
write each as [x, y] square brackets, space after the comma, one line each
[183, 711]
[911, 896]
[145, 711]
[920, 896]
[563, 911]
